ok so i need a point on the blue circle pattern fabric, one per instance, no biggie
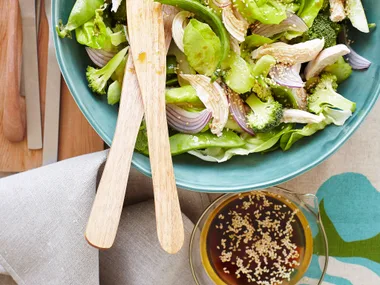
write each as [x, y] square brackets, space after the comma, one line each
[350, 211]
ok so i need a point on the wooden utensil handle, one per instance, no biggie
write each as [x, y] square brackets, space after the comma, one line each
[14, 105]
[145, 18]
[105, 214]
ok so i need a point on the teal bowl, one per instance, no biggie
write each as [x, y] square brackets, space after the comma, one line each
[240, 173]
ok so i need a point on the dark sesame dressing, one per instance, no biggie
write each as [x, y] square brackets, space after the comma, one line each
[258, 239]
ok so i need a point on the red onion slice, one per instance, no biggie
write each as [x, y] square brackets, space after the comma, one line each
[99, 57]
[185, 121]
[237, 109]
[285, 75]
[356, 61]
[292, 23]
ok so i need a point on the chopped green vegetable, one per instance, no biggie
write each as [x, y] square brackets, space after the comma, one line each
[207, 15]
[98, 78]
[292, 136]
[325, 95]
[324, 28]
[171, 65]
[183, 95]
[233, 125]
[262, 89]
[183, 65]
[262, 142]
[81, 13]
[114, 93]
[239, 77]
[372, 25]
[202, 47]
[341, 69]
[310, 11]
[263, 66]
[118, 36]
[96, 34]
[265, 115]
[181, 143]
[119, 72]
[141, 144]
[253, 41]
[267, 12]
[285, 96]
[260, 72]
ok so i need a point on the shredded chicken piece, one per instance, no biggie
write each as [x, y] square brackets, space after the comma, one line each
[325, 58]
[337, 12]
[291, 54]
[301, 117]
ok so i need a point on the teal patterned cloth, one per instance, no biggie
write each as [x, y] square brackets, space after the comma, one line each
[350, 211]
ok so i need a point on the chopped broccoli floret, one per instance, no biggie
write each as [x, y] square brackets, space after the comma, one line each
[323, 27]
[265, 115]
[98, 78]
[121, 14]
[325, 95]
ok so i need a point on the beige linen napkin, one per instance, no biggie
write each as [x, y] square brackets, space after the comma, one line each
[43, 216]
[44, 213]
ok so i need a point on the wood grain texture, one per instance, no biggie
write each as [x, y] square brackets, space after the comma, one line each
[147, 37]
[14, 157]
[76, 135]
[14, 105]
[106, 210]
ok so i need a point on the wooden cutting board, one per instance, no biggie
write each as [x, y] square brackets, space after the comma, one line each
[76, 135]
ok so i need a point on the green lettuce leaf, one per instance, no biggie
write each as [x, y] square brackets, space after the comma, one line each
[310, 11]
[267, 12]
[260, 143]
[202, 47]
[98, 35]
[291, 137]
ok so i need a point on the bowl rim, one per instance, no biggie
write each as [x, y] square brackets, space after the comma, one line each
[187, 184]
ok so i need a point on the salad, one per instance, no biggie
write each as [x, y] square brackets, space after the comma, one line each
[243, 76]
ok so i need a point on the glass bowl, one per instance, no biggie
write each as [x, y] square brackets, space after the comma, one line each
[316, 254]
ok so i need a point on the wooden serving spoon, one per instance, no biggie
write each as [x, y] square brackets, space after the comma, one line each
[14, 105]
[106, 210]
[147, 39]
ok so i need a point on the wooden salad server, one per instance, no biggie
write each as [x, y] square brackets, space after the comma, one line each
[106, 210]
[147, 39]
[14, 105]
